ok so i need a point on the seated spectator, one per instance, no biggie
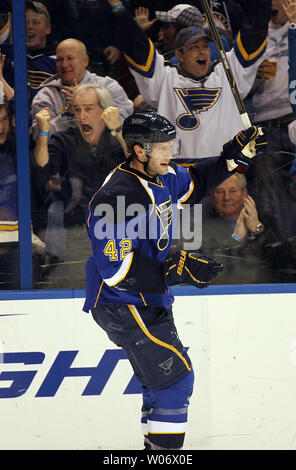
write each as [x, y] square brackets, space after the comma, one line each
[56, 93]
[194, 95]
[76, 161]
[247, 241]
[90, 22]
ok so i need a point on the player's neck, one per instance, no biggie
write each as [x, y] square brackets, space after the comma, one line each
[139, 167]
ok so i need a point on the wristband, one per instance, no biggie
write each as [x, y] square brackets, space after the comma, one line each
[115, 132]
[235, 237]
[44, 133]
[117, 7]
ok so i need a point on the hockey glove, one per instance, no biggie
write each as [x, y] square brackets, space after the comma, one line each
[245, 146]
[195, 269]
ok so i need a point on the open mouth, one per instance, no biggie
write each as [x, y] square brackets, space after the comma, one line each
[86, 129]
[201, 62]
[30, 36]
[274, 12]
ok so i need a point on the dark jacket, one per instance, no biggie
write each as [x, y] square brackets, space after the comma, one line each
[268, 257]
[74, 160]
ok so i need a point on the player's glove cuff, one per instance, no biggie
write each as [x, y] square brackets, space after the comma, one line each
[244, 147]
[191, 268]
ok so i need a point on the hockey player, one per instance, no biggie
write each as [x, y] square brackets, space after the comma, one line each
[129, 224]
[195, 95]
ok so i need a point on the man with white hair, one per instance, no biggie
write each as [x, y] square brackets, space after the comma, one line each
[245, 238]
[56, 93]
[76, 160]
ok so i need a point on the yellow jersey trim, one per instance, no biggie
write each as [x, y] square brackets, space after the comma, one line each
[147, 66]
[244, 53]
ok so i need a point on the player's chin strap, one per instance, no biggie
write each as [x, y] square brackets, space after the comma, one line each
[145, 164]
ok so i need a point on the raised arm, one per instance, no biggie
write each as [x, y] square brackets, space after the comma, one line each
[111, 119]
[252, 37]
[41, 149]
[8, 91]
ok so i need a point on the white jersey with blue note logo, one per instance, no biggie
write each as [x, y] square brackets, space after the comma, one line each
[202, 109]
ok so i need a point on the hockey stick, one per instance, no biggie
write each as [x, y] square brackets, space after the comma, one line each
[217, 40]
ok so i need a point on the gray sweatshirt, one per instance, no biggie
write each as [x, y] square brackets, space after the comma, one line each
[50, 96]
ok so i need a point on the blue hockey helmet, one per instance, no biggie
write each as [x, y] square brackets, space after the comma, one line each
[145, 129]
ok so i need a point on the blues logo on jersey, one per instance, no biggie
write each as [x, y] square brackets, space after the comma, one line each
[195, 101]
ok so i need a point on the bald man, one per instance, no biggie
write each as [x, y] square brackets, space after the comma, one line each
[56, 93]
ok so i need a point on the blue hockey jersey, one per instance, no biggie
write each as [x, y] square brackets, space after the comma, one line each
[130, 222]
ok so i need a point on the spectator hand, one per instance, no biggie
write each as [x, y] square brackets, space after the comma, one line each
[289, 7]
[5, 88]
[68, 94]
[43, 119]
[191, 268]
[251, 214]
[142, 18]
[112, 54]
[241, 230]
[111, 118]
[54, 183]
[138, 100]
[245, 146]
[267, 69]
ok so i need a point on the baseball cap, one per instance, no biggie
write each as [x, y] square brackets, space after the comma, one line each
[188, 36]
[38, 8]
[186, 15]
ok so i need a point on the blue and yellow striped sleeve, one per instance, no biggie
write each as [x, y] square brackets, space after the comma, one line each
[251, 40]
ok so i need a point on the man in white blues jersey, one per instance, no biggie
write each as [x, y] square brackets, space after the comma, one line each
[195, 94]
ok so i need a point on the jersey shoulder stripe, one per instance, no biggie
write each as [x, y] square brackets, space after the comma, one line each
[244, 58]
[147, 69]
